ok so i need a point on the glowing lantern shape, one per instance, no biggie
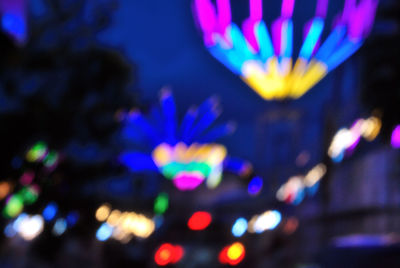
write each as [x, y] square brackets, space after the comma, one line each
[199, 221]
[266, 64]
[184, 154]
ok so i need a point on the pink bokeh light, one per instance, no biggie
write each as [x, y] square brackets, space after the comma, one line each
[396, 137]
[188, 181]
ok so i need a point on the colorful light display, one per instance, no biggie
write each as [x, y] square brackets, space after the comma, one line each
[266, 64]
[189, 166]
[15, 203]
[27, 189]
[199, 221]
[123, 225]
[295, 189]
[41, 153]
[26, 226]
[343, 144]
[346, 140]
[186, 153]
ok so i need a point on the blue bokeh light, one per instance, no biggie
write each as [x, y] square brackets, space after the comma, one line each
[50, 211]
[60, 226]
[9, 231]
[72, 218]
[14, 25]
[239, 227]
[255, 186]
[104, 232]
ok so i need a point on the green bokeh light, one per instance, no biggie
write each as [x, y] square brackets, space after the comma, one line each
[161, 203]
[14, 206]
[37, 152]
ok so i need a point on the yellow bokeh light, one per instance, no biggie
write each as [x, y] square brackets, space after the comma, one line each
[162, 154]
[278, 80]
[114, 217]
[345, 138]
[371, 128]
[126, 223]
[103, 212]
[212, 154]
[235, 251]
[315, 175]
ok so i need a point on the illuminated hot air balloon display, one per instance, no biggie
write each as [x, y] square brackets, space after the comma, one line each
[264, 58]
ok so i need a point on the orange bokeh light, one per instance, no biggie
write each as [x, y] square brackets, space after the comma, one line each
[5, 189]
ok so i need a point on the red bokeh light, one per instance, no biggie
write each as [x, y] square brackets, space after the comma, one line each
[199, 221]
[168, 254]
[178, 254]
[291, 226]
[223, 255]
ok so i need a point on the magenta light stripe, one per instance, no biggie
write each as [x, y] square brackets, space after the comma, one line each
[207, 19]
[256, 10]
[307, 28]
[187, 181]
[349, 7]
[358, 19]
[370, 17]
[322, 8]
[353, 146]
[287, 8]
[224, 14]
[277, 35]
[249, 32]
[206, 15]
